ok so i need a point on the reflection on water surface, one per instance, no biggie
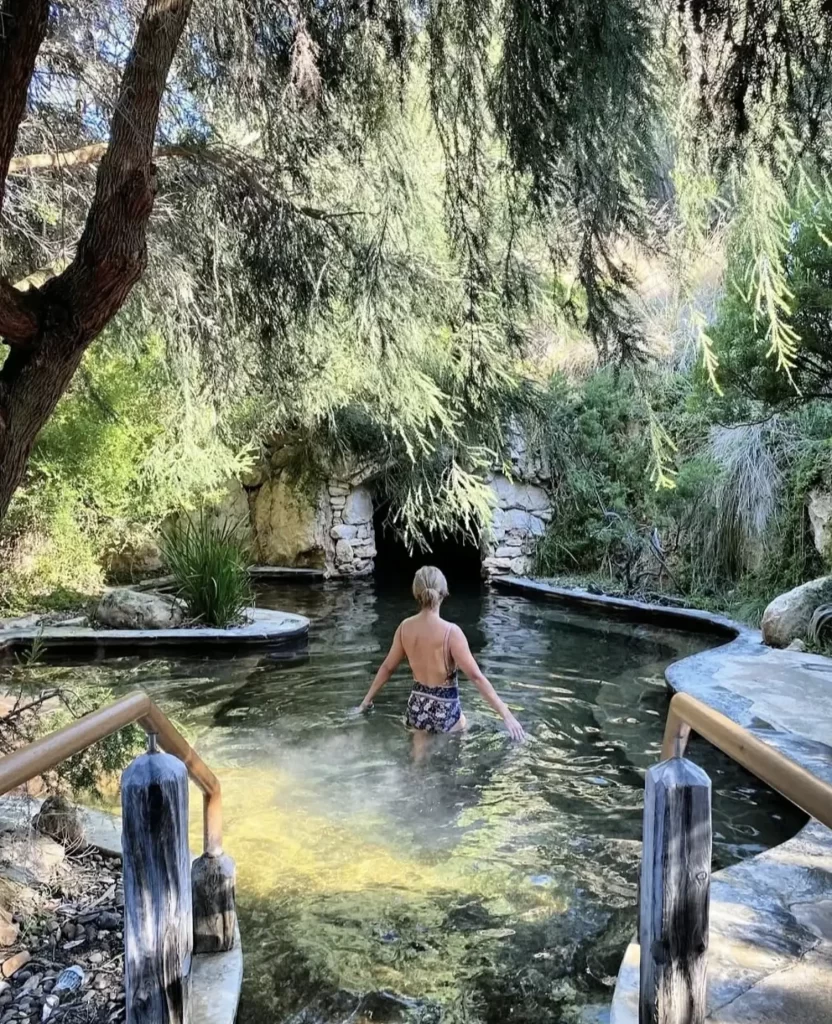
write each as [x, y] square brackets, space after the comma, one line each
[485, 882]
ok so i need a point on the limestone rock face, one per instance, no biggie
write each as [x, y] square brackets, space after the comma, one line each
[788, 616]
[291, 528]
[123, 608]
[134, 556]
[820, 516]
[232, 510]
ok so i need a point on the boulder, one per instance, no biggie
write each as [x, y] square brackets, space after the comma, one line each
[521, 523]
[135, 555]
[509, 551]
[358, 508]
[492, 564]
[343, 551]
[123, 608]
[364, 551]
[291, 526]
[788, 616]
[521, 566]
[820, 516]
[60, 820]
[9, 928]
[29, 858]
[21, 622]
[344, 532]
[511, 494]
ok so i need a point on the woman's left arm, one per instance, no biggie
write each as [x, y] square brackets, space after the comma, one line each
[388, 667]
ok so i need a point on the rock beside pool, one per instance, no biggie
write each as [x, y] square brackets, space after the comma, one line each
[123, 608]
[59, 820]
[788, 616]
[30, 859]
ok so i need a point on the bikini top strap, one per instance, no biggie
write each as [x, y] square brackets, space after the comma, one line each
[450, 669]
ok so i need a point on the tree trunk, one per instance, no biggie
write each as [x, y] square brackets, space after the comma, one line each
[49, 329]
[32, 382]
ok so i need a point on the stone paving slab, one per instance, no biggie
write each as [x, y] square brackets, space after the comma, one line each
[265, 627]
[770, 955]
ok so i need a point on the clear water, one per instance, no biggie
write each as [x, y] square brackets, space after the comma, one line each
[481, 883]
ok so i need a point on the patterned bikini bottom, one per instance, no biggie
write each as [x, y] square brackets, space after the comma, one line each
[433, 708]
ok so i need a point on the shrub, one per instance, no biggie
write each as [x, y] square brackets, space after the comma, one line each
[43, 699]
[209, 559]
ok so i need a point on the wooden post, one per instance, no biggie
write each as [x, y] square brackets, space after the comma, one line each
[215, 917]
[158, 935]
[675, 893]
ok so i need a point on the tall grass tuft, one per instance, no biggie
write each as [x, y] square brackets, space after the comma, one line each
[209, 560]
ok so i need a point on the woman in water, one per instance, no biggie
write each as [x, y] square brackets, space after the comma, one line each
[436, 650]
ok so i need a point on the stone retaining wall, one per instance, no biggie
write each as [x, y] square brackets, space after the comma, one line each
[521, 512]
[352, 530]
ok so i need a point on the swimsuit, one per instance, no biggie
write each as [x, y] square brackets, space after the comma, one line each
[436, 708]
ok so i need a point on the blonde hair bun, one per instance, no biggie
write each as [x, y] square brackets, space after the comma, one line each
[430, 588]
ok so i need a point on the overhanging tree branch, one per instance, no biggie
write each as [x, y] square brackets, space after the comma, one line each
[22, 29]
[233, 162]
[112, 251]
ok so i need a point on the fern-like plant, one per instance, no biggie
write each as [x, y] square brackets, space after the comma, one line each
[209, 560]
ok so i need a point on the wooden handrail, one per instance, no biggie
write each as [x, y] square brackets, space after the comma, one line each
[28, 762]
[787, 777]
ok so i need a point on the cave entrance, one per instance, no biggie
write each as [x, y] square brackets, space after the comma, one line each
[458, 556]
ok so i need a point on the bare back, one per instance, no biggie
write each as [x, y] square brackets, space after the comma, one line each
[426, 641]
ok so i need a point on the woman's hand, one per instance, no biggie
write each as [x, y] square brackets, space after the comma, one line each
[515, 729]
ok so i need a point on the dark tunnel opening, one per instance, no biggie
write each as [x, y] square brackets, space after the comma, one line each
[458, 556]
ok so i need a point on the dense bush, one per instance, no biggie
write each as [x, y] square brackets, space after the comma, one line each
[127, 446]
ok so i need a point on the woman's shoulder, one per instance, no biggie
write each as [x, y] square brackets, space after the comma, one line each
[452, 628]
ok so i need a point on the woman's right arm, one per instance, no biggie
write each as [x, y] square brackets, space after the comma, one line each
[461, 653]
[388, 667]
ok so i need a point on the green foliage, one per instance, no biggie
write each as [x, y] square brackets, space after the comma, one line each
[44, 700]
[732, 533]
[128, 445]
[595, 436]
[98, 764]
[209, 560]
[778, 291]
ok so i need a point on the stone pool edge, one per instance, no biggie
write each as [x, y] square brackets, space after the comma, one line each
[771, 915]
[216, 978]
[266, 627]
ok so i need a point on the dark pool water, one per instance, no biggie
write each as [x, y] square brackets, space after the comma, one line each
[482, 883]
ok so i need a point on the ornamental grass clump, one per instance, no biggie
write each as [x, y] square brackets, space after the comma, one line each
[209, 560]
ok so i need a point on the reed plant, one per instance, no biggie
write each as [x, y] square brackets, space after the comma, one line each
[209, 560]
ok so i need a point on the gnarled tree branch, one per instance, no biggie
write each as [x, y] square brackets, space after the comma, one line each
[18, 316]
[22, 28]
[112, 252]
[75, 306]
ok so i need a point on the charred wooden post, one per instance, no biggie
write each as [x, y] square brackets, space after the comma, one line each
[675, 893]
[213, 881]
[158, 936]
